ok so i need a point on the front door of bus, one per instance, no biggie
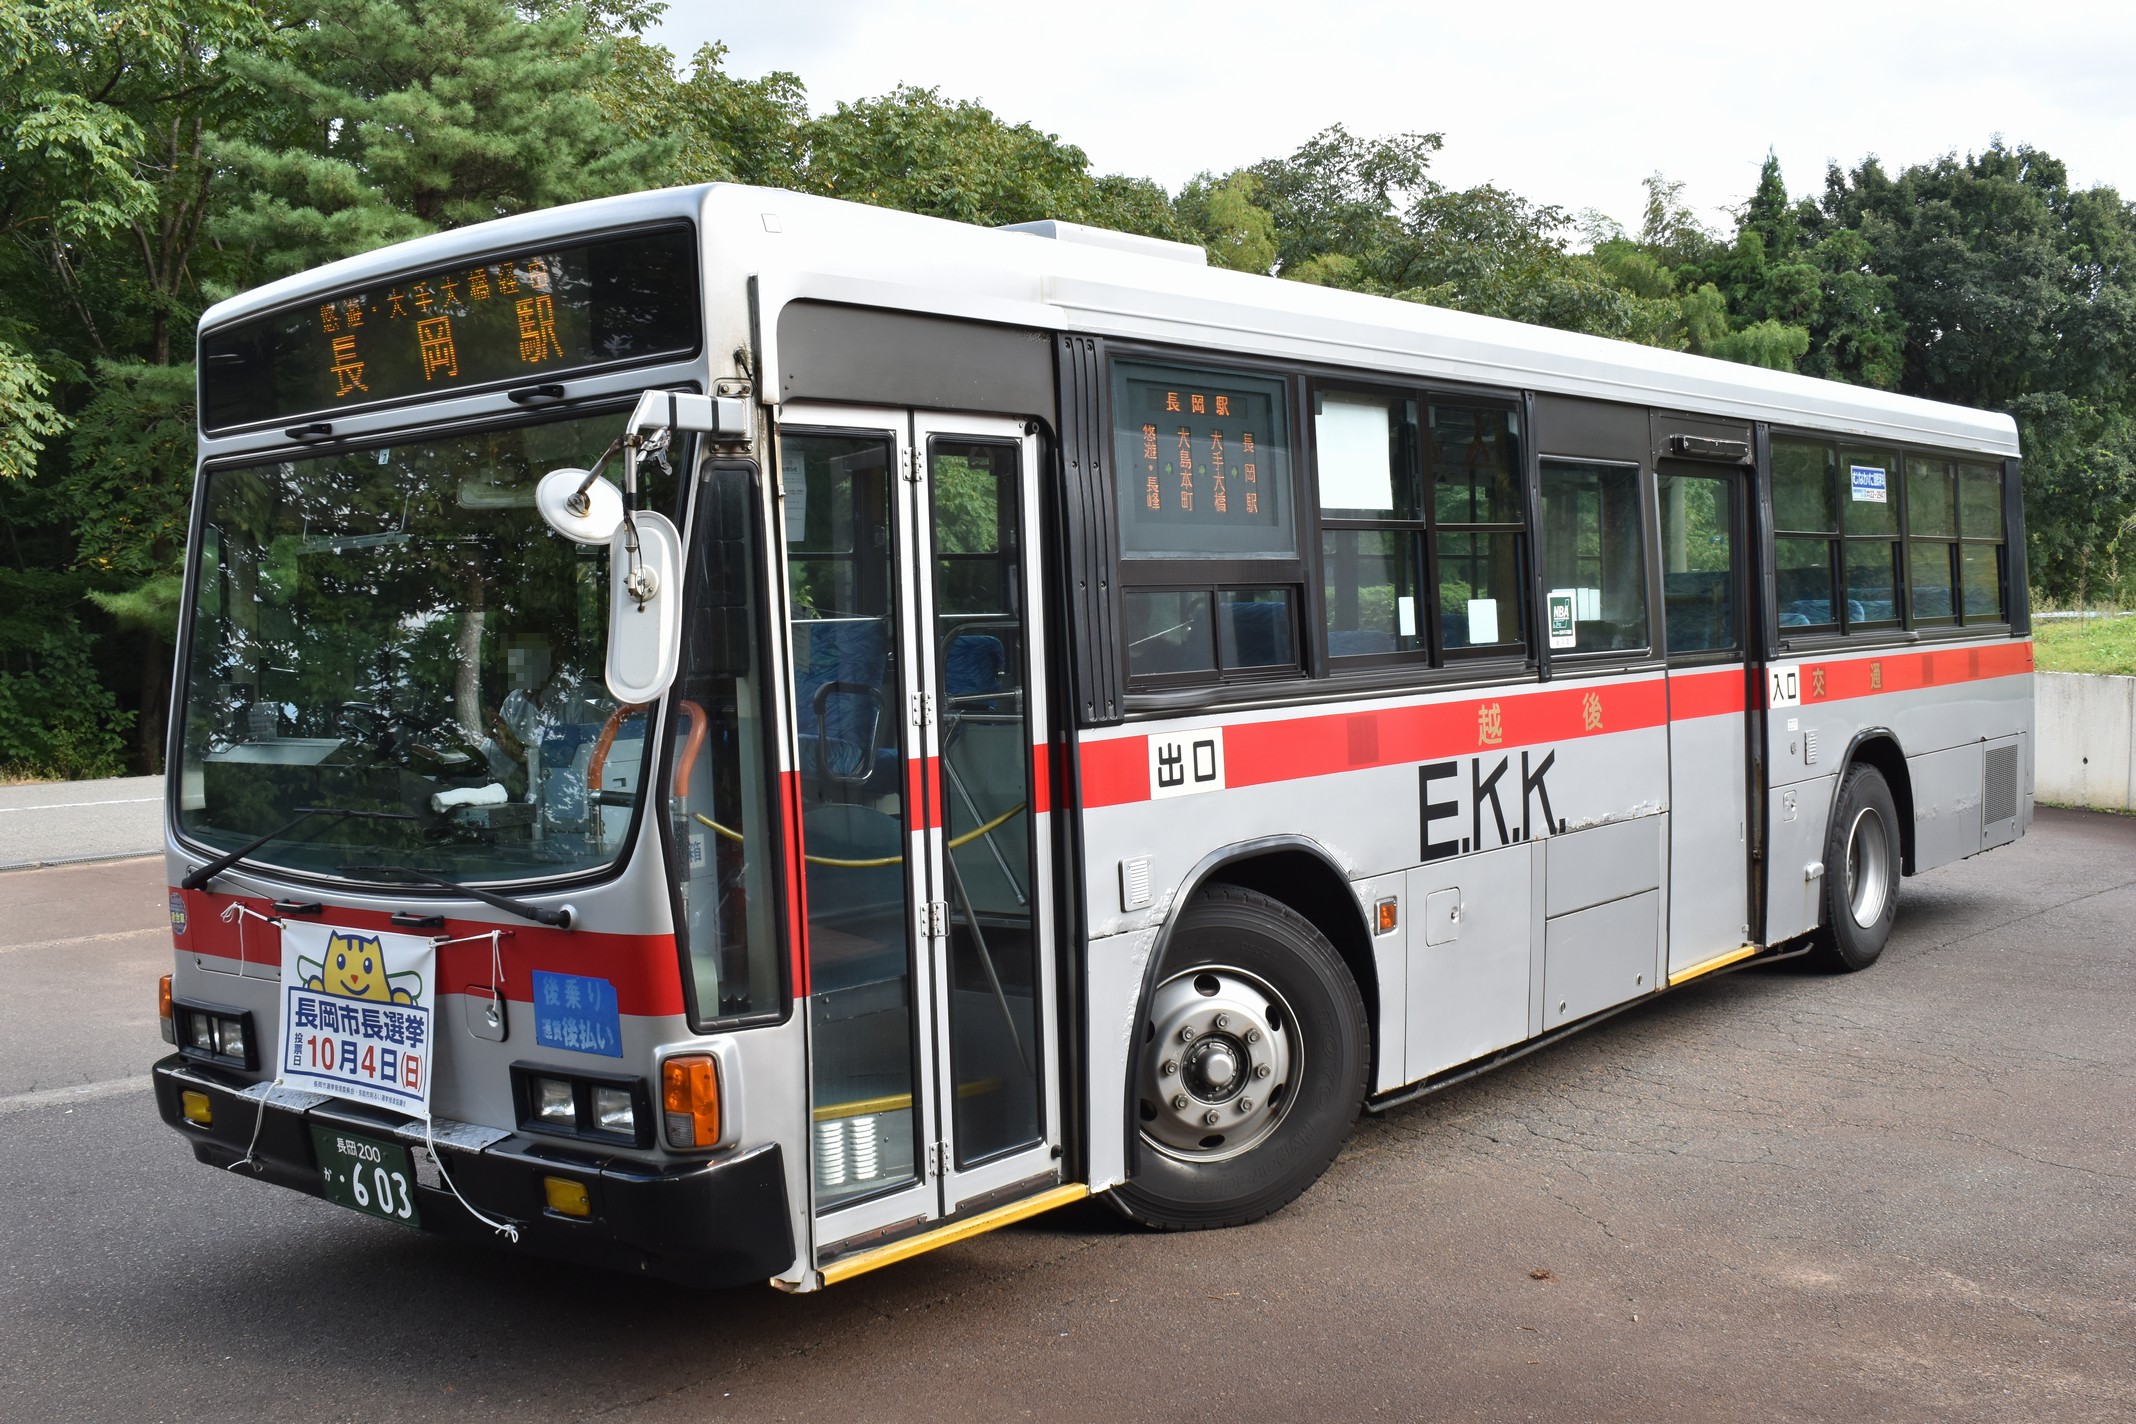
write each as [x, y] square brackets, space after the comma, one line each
[918, 703]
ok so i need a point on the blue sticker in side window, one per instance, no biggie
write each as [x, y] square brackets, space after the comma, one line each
[578, 1013]
[1868, 484]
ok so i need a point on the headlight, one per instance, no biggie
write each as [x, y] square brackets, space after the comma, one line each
[613, 1111]
[200, 1031]
[554, 1103]
[232, 1038]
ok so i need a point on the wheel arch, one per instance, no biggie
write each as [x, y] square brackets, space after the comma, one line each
[1879, 747]
[1298, 872]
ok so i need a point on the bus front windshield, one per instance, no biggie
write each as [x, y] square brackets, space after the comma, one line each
[395, 666]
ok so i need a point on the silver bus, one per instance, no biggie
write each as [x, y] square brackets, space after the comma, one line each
[738, 736]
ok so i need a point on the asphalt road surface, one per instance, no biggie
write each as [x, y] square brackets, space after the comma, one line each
[1904, 1194]
[53, 822]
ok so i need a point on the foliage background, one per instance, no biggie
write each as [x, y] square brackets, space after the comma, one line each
[158, 155]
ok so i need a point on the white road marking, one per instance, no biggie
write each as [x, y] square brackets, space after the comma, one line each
[75, 805]
[79, 1093]
[86, 939]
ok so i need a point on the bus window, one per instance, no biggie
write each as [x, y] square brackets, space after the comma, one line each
[1698, 523]
[1476, 526]
[1870, 522]
[1980, 555]
[1594, 555]
[717, 789]
[1806, 538]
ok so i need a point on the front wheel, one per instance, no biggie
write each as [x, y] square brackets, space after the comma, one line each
[1252, 1067]
[1861, 878]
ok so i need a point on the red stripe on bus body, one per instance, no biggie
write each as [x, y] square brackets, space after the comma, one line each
[643, 968]
[1874, 675]
[796, 882]
[1116, 772]
[1706, 694]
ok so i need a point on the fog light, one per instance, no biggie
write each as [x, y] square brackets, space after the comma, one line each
[200, 1031]
[612, 1110]
[566, 1197]
[689, 1100]
[554, 1102]
[230, 1033]
[196, 1108]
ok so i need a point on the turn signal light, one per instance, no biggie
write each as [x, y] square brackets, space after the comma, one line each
[163, 1009]
[196, 1108]
[566, 1197]
[689, 1100]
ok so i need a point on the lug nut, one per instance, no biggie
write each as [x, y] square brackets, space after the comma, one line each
[1253, 1035]
[1223, 1021]
[1245, 1104]
[1210, 1118]
[1171, 1066]
[1179, 1102]
[1263, 1071]
[1186, 1035]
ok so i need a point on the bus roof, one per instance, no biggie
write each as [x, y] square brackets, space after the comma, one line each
[809, 248]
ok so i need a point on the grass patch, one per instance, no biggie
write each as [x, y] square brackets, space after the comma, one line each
[2085, 645]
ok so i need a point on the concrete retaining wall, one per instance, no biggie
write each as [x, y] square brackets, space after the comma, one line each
[2086, 750]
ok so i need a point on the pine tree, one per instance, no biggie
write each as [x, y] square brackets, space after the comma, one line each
[387, 119]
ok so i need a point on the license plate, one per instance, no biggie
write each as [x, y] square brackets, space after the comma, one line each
[376, 1178]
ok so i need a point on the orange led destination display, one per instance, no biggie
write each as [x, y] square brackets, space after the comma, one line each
[1203, 461]
[527, 317]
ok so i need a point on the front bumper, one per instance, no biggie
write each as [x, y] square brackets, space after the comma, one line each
[717, 1223]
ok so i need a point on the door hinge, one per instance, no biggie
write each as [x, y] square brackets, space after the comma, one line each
[938, 1159]
[934, 918]
[922, 709]
[912, 466]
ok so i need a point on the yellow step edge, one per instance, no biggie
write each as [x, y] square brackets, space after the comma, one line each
[896, 1102]
[863, 1262]
[1719, 961]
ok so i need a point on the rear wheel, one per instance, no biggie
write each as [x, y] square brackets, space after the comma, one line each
[1861, 879]
[1252, 1066]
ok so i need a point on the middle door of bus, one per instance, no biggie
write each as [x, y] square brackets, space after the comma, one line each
[918, 702]
[1703, 523]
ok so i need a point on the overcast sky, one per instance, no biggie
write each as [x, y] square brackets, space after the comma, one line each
[1571, 105]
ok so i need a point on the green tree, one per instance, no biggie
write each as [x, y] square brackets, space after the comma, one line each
[387, 119]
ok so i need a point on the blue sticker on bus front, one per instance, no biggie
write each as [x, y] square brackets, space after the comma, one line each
[574, 1012]
[1868, 484]
[177, 913]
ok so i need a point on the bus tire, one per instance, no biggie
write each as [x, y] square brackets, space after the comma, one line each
[1252, 1067]
[1861, 879]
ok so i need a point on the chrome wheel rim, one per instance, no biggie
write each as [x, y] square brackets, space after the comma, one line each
[1220, 1064]
[1868, 867]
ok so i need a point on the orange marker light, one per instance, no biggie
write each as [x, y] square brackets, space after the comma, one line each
[1388, 916]
[163, 1009]
[689, 1100]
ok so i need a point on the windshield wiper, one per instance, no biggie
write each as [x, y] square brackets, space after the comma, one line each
[217, 866]
[409, 875]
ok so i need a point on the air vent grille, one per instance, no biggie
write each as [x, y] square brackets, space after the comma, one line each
[1999, 794]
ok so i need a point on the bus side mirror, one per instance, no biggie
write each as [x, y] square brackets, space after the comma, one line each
[644, 608]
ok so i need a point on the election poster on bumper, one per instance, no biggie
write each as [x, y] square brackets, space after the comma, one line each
[357, 1015]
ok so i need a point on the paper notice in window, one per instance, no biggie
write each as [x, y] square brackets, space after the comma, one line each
[1405, 616]
[1483, 621]
[1868, 484]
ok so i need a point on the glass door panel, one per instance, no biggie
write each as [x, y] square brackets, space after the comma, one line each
[986, 795]
[989, 857]
[868, 1119]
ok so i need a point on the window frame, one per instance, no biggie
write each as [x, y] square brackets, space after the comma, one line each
[1431, 655]
[1907, 625]
[1573, 660]
[1211, 573]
